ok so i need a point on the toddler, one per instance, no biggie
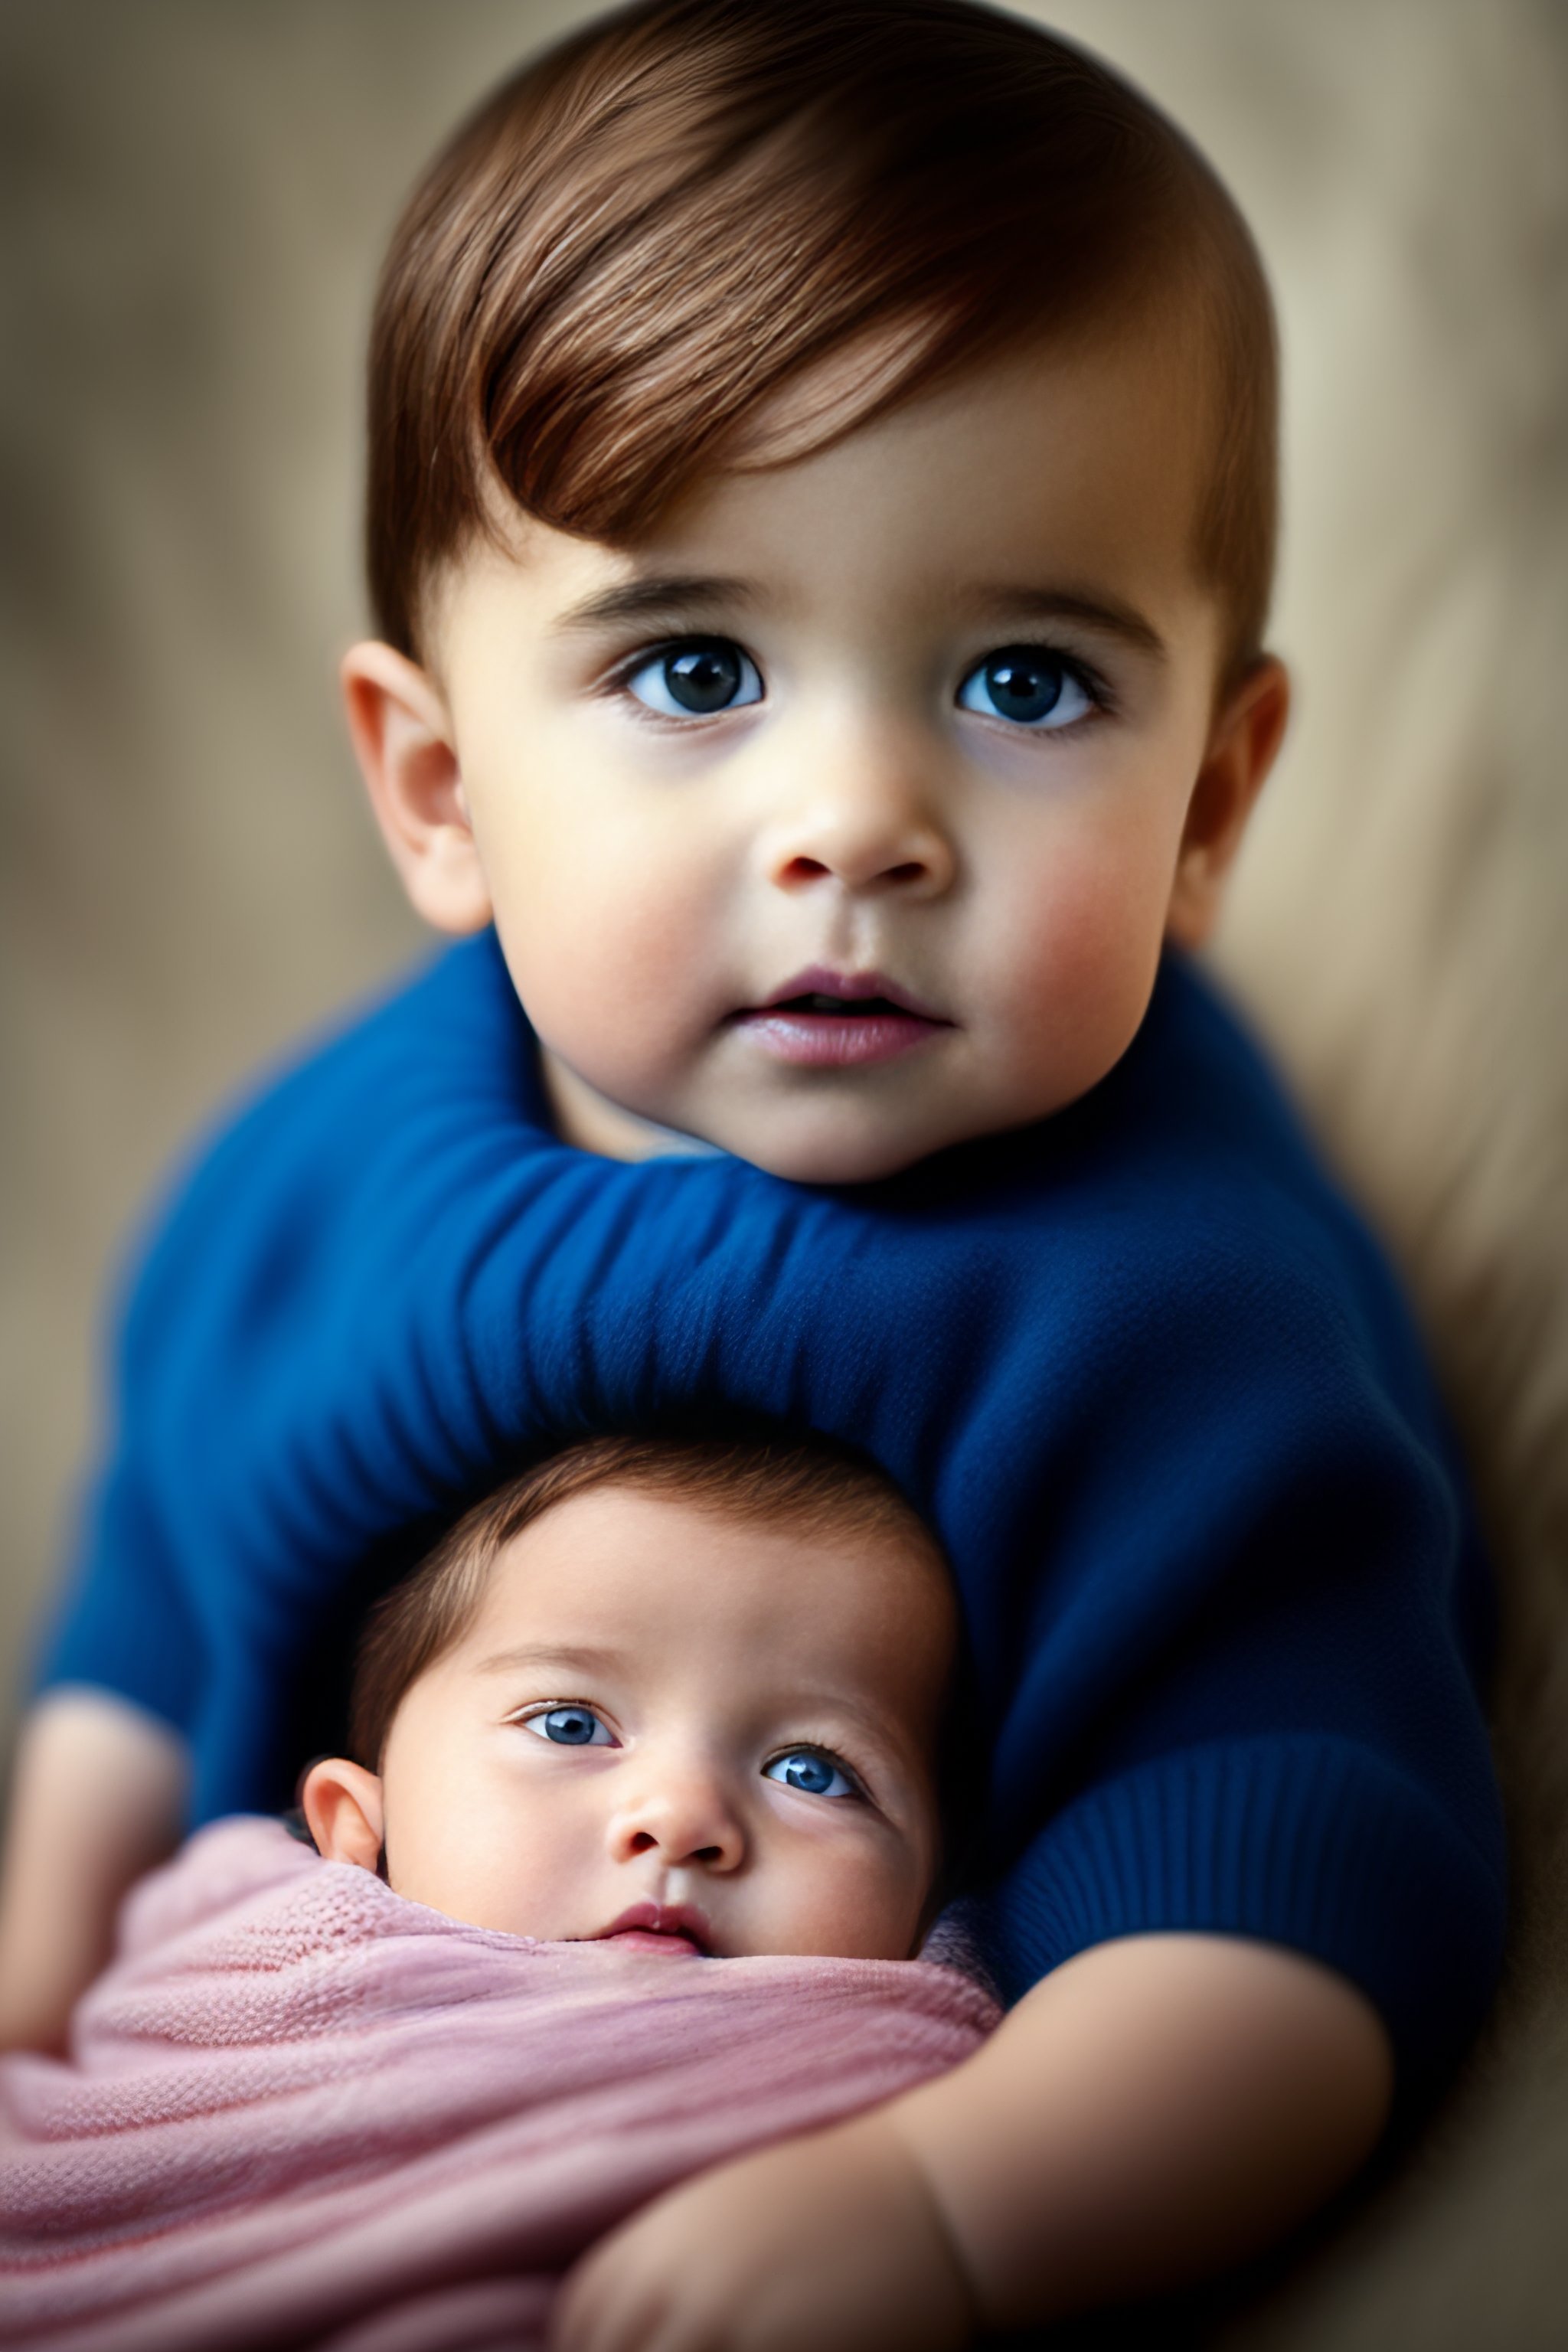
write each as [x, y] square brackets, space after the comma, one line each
[822, 490]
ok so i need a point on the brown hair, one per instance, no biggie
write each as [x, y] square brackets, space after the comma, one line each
[807, 1483]
[644, 234]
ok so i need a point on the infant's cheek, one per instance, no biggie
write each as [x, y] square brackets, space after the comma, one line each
[864, 1912]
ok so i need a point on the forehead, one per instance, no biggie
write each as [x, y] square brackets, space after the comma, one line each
[1097, 433]
[662, 1578]
[1077, 462]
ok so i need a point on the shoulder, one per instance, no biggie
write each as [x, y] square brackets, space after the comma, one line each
[451, 1026]
[1253, 1206]
[300, 1158]
[1195, 1155]
[1166, 1270]
[1187, 1173]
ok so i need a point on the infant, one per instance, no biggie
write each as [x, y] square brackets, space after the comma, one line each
[685, 1698]
[652, 1700]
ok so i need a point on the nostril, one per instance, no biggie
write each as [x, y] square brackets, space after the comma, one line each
[855, 873]
[643, 1841]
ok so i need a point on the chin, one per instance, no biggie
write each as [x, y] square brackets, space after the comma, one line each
[836, 1158]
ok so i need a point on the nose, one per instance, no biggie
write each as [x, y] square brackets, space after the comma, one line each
[681, 1811]
[864, 816]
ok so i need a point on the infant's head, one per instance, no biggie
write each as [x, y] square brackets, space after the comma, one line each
[687, 1695]
[821, 520]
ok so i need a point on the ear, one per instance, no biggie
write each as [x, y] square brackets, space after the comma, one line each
[403, 739]
[341, 1802]
[1241, 749]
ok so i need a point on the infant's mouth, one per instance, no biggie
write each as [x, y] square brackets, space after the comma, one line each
[672, 1929]
[825, 1019]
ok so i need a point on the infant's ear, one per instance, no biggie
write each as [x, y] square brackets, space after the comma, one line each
[1241, 750]
[341, 1802]
[403, 739]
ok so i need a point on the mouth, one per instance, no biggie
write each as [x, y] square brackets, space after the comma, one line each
[824, 1019]
[672, 1929]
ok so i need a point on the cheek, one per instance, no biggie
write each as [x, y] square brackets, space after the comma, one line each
[613, 935]
[501, 1859]
[603, 975]
[433, 1784]
[851, 1904]
[423, 1861]
[1075, 945]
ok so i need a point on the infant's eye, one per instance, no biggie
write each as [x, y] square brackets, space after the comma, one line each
[809, 1769]
[571, 1726]
[692, 679]
[1030, 685]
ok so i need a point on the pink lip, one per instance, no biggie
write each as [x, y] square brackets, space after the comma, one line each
[893, 1021]
[659, 1927]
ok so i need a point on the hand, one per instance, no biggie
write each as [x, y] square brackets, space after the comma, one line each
[831, 2241]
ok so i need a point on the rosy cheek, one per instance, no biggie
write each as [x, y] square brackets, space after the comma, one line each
[610, 1012]
[621, 1013]
[1076, 960]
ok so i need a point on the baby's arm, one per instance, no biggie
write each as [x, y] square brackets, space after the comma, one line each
[1157, 2109]
[96, 1798]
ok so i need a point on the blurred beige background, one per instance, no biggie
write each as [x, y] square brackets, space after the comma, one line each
[196, 196]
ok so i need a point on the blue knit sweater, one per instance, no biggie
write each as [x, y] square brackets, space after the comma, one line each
[1139, 1364]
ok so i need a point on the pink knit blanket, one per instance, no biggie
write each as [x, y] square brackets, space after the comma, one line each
[298, 2110]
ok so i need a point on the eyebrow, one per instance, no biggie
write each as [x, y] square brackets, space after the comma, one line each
[661, 596]
[585, 1659]
[1108, 614]
[670, 596]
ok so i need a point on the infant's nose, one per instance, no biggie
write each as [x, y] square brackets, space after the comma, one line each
[685, 1817]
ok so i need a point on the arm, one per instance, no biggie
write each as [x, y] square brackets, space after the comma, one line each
[96, 1798]
[1154, 2111]
[387, 1282]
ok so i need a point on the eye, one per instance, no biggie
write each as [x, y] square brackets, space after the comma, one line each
[1029, 685]
[813, 1771]
[571, 1726]
[695, 679]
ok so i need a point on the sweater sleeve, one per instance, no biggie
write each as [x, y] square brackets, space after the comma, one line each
[124, 1623]
[1317, 1842]
[1243, 1701]
[1243, 1690]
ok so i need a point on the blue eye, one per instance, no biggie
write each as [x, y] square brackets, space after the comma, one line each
[1029, 685]
[809, 1770]
[571, 1726]
[695, 680]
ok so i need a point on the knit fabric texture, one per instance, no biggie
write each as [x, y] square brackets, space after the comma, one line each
[1140, 1364]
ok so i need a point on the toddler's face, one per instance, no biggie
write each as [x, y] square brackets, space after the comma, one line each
[684, 1731]
[844, 818]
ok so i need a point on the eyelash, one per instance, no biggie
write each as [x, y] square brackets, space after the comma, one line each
[616, 682]
[855, 1778]
[541, 1708]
